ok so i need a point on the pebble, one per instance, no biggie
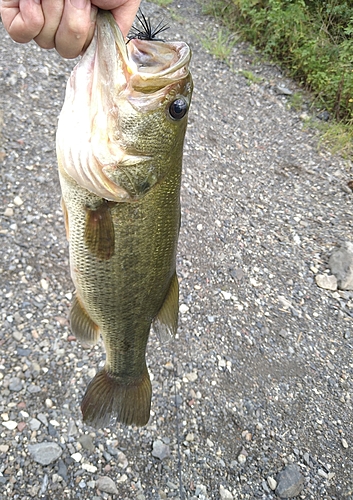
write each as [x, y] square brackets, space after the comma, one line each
[160, 450]
[87, 442]
[42, 419]
[18, 201]
[241, 458]
[4, 448]
[34, 424]
[183, 308]
[122, 460]
[328, 282]
[44, 284]
[8, 212]
[225, 494]
[10, 424]
[191, 377]
[15, 384]
[201, 491]
[107, 485]
[290, 482]
[341, 265]
[77, 457]
[344, 443]
[272, 483]
[89, 468]
[17, 335]
[45, 453]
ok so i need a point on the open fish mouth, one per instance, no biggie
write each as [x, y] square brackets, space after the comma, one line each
[111, 74]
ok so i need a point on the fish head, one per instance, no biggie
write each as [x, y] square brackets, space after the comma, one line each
[122, 126]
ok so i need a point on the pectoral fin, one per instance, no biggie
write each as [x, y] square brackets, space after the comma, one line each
[99, 231]
[166, 321]
[84, 329]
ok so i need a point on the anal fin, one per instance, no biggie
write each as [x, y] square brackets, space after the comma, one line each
[84, 329]
[99, 231]
[110, 398]
[166, 321]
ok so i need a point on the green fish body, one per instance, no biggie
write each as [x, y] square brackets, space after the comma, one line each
[119, 147]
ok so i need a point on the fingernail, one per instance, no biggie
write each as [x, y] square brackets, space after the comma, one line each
[79, 4]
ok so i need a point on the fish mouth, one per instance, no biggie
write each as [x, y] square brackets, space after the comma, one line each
[148, 65]
[142, 72]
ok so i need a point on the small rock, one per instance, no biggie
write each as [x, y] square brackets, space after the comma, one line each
[225, 494]
[45, 453]
[201, 491]
[87, 442]
[341, 265]
[190, 437]
[89, 468]
[18, 201]
[34, 424]
[44, 284]
[77, 457]
[21, 426]
[8, 212]
[183, 308]
[15, 384]
[328, 282]
[226, 295]
[17, 336]
[272, 483]
[43, 419]
[4, 448]
[122, 460]
[192, 376]
[107, 485]
[241, 458]
[290, 482]
[10, 424]
[160, 450]
[344, 443]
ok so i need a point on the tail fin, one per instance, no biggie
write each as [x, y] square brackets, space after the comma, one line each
[108, 398]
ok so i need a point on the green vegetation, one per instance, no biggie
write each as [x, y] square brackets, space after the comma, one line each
[220, 45]
[311, 38]
[249, 75]
[162, 3]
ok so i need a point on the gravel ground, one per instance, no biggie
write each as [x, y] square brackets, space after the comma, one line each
[259, 380]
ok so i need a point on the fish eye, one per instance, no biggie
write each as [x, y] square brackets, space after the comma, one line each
[178, 108]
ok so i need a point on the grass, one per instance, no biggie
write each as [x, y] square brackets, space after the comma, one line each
[311, 39]
[250, 76]
[221, 44]
[337, 137]
[161, 3]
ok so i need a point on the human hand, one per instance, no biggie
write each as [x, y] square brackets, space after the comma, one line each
[66, 25]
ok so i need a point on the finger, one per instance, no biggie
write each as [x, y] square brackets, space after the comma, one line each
[74, 28]
[92, 28]
[52, 10]
[124, 11]
[125, 15]
[23, 19]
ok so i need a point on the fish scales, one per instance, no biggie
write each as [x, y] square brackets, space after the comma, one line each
[120, 171]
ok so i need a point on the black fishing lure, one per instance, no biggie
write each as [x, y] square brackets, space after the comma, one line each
[146, 32]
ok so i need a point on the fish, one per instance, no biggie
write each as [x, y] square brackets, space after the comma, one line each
[119, 148]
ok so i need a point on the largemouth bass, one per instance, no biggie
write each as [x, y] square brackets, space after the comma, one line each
[119, 147]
